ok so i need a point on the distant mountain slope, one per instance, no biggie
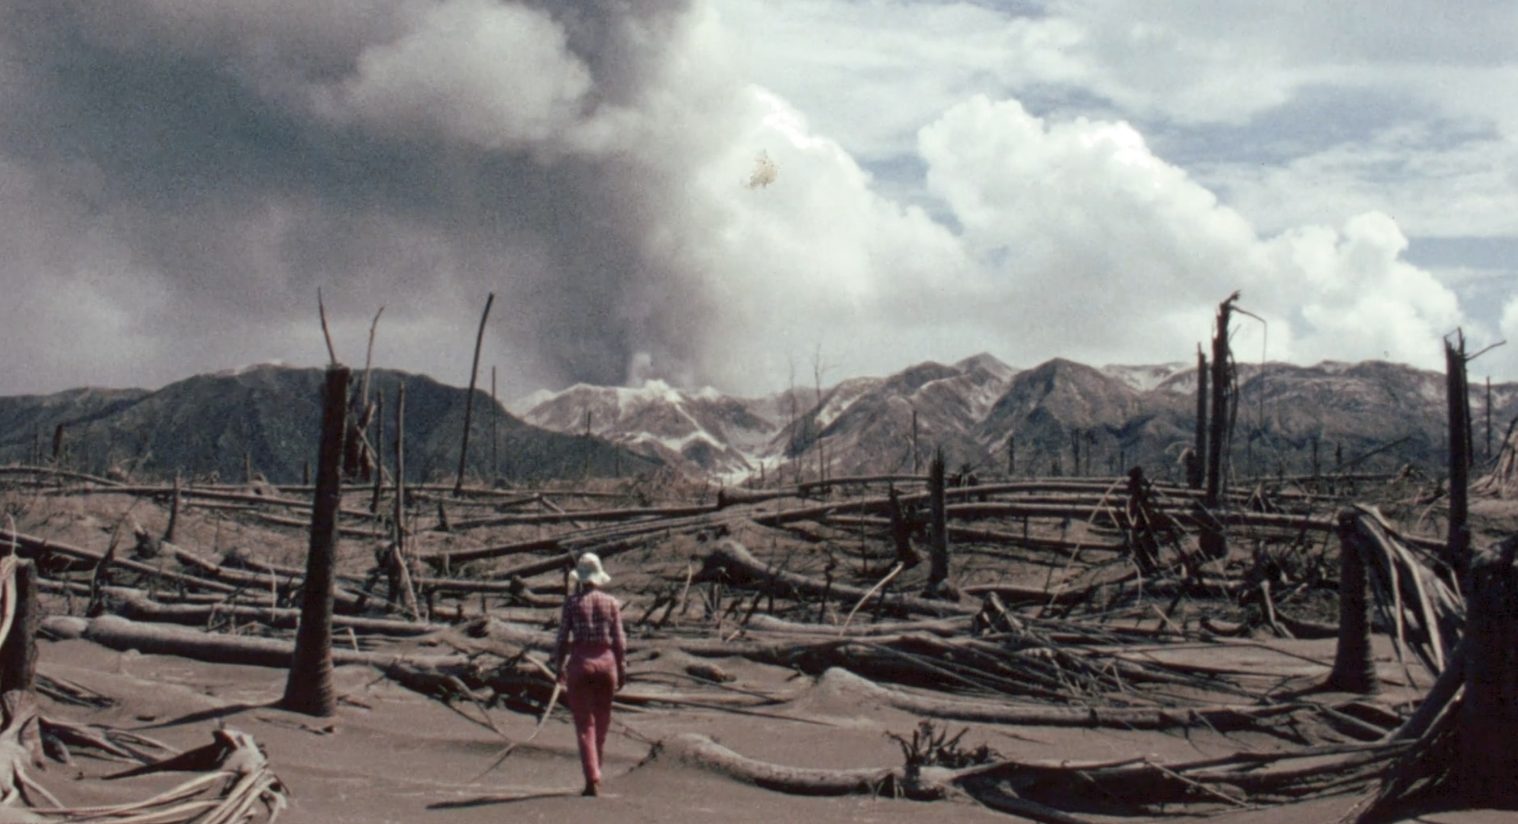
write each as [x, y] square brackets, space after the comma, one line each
[205, 425]
[705, 430]
[1373, 416]
[866, 425]
[1058, 412]
[27, 422]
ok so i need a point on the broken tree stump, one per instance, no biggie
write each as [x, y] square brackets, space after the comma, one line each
[938, 529]
[1354, 667]
[168, 532]
[309, 688]
[1488, 720]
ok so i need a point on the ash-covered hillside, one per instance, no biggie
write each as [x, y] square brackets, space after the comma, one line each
[702, 431]
[269, 416]
[1059, 417]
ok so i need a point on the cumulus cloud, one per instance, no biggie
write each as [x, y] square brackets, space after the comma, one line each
[1092, 238]
[496, 76]
[196, 169]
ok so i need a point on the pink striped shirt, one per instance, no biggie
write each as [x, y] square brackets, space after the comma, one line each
[594, 619]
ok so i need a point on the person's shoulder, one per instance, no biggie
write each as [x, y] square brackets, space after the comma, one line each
[607, 597]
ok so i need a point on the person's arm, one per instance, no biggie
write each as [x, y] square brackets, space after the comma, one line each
[561, 643]
[619, 644]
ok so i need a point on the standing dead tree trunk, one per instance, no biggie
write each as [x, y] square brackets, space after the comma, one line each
[379, 463]
[495, 440]
[901, 532]
[1457, 553]
[1213, 543]
[1354, 667]
[1488, 720]
[1488, 410]
[309, 687]
[1196, 468]
[174, 504]
[400, 564]
[938, 530]
[474, 370]
[916, 464]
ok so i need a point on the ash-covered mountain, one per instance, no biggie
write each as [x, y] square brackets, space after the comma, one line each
[207, 426]
[1059, 417]
[701, 431]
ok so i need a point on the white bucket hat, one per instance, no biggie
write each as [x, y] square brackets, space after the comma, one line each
[589, 570]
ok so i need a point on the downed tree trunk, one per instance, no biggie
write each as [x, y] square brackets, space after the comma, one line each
[122, 634]
[1218, 717]
[41, 548]
[136, 605]
[734, 561]
[1037, 790]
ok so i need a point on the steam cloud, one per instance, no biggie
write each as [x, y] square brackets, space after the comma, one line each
[178, 176]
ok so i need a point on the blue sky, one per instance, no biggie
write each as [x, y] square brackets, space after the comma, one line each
[1067, 178]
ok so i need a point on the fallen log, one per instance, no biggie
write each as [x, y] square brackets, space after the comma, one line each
[732, 560]
[137, 606]
[34, 547]
[123, 634]
[586, 516]
[1218, 717]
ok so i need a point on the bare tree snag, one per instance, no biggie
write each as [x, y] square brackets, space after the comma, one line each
[1213, 543]
[1488, 411]
[18, 652]
[901, 532]
[1457, 554]
[474, 369]
[1196, 471]
[400, 563]
[1354, 666]
[379, 460]
[915, 461]
[495, 441]
[938, 531]
[58, 445]
[1011, 455]
[321, 311]
[1488, 720]
[309, 687]
[586, 445]
[168, 532]
[363, 392]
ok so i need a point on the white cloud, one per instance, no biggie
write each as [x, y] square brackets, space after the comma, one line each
[495, 75]
[637, 240]
[1090, 237]
[1434, 187]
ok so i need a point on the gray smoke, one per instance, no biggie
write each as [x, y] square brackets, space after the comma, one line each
[199, 167]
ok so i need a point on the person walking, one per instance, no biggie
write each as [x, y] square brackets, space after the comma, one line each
[591, 637]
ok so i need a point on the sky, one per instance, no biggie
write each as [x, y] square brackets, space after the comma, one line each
[739, 193]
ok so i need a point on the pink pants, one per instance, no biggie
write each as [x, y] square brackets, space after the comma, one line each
[592, 679]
